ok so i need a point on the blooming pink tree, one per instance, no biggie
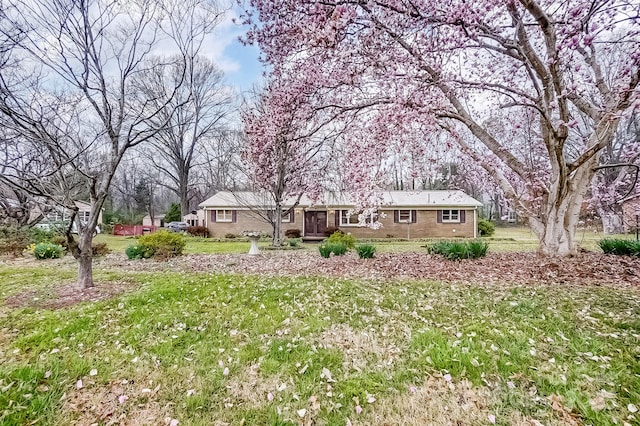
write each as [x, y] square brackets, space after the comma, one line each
[286, 153]
[516, 76]
[617, 179]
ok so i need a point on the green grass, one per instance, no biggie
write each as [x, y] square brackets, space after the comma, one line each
[195, 245]
[193, 340]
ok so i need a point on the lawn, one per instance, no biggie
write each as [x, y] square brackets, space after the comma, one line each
[187, 343]
[506, 239]
[207, 348]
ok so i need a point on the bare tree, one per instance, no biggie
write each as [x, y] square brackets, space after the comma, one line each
[68, 93]
[189, 124]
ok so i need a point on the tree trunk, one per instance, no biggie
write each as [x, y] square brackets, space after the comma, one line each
[277, 227]
[556, 230]
[556, 237]
[85, 270]
[184, 193]
[611, 222]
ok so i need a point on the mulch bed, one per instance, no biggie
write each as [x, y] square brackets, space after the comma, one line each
[516, 268]
[589, 269]
[67, 294]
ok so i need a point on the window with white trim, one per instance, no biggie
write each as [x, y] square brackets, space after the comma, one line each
[451, 215]
[287, 217]
[83, 216]
[55, 216]
[353, 219]
[224, 215]
[347, 219]
[405, 216]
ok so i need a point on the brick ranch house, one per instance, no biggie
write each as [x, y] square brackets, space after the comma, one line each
[407, 214]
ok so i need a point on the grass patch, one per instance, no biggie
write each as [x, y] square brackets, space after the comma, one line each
[200, 348]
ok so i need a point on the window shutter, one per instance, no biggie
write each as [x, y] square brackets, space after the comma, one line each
[463, 216]
[292, 216]
[338, 214]
[213, 215]
[396, 216]
[414, 216]
[234, 216]
[439, 219]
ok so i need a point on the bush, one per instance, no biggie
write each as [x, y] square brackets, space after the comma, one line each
[99, 249]
[230, 236]
[337, 248]
[486, 228]
[294, 242]
[477, 249]
[47, 251]
[330, 231]
[163, 244]
[14, 240]
[292, 233]
[340, 237]
[620, 247]
[138, 251]
[37, 235]
[325, 250]
[365, 251]
[61, 240]
[198, 231]
[456, 250]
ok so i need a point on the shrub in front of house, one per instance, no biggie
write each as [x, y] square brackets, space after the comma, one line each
[340, 237]
[160, 244]
[293, 242]
[293, 233]
[486, 228]
[198, 231]
[138, 251]
[476, 249]
[164, 244]
[230, 236]
[47, 251]
[620, 247]
[366, 251]
[457, 250]
[330, 231]
[337, 248]
[325, 250]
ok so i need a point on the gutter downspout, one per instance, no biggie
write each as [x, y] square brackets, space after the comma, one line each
[475, 222]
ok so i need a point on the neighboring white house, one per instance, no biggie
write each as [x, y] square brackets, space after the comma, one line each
[60, 215]
[158, 220]
[195, 218]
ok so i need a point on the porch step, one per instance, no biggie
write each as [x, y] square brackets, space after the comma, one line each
[313, 239]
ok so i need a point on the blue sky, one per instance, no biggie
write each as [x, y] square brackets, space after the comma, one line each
[239, 62]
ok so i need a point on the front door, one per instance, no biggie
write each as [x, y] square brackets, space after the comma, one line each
[315, 223]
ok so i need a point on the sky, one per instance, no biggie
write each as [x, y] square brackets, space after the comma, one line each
[239, 62]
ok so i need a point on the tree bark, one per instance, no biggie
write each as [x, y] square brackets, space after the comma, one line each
[556, 229]
[85, 270]
[277, 226]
